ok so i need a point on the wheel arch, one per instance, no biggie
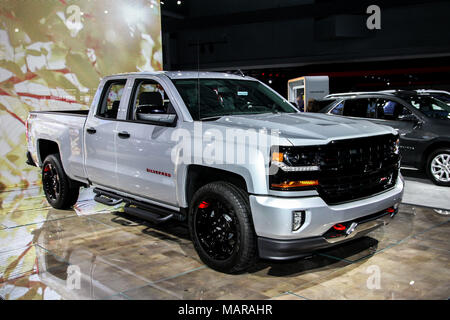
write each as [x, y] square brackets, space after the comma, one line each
[431, 148]
[45, 148]
[199, 175]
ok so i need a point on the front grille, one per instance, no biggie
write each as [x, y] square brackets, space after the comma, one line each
[356, 168]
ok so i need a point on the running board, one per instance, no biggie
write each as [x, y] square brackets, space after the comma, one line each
[106, 200]
[144, 210]
[147, 215]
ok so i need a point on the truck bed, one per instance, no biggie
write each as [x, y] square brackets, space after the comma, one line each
[65, 128]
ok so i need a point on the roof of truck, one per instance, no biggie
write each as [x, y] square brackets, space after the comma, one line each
[187, 75]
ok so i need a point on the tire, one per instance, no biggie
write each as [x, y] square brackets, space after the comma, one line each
[221, 227]
[59, 191]
[438, 167]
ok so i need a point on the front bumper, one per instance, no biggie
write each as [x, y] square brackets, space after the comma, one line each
[290, 249]
[272, 218]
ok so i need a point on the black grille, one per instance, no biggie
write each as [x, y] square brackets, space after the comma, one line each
[349, 169]
[357, 168]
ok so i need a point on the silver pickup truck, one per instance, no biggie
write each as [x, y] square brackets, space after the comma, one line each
[251, 175]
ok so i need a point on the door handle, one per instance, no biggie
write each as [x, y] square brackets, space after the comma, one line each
[91, 130]
[124, 135]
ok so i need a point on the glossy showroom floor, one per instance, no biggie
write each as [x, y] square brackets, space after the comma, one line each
[95, 252]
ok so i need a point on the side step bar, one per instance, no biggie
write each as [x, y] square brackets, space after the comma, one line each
[140, 209]
[147, 215]
[106, 200]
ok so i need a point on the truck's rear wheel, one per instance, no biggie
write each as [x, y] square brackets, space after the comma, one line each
[438, 167]
[57, 188]
[221, 227]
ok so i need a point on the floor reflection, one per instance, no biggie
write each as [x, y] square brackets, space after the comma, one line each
[98, 252]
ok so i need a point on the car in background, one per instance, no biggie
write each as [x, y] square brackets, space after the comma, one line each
[444, 96]
[421, 120]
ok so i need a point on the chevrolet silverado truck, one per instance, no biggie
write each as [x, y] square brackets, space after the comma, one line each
[181, 145]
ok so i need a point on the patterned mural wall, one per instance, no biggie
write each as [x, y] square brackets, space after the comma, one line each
[53, 54]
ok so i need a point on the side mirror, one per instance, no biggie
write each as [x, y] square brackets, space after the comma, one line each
[408, 117]
[149, 108]
[162, 119]
[154, 114]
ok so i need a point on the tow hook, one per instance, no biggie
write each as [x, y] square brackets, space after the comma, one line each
[351, 228]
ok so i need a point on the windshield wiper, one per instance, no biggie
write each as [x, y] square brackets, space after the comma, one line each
[212, 118]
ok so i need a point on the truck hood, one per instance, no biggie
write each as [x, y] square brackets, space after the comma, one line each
[306, 128]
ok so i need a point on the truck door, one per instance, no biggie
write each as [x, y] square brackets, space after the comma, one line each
[144, 146]
[100, 136]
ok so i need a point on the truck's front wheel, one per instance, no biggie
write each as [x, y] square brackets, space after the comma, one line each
[221, 227]
[57, 188]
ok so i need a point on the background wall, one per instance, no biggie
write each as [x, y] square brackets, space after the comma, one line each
[53, 54]
[256, 34]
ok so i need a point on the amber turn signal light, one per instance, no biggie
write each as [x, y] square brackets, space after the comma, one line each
[278, 156]
[295, 184]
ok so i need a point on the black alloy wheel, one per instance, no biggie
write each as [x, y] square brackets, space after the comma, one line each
[50, 181]
[221, 227]
[60, 191]
[216, 226]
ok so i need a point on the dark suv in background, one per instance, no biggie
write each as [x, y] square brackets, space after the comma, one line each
[423, 123]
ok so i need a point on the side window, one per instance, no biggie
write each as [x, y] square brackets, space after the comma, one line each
[338, 110]
[362, 108]
[390, 110]
[109, 104]
[149, 101]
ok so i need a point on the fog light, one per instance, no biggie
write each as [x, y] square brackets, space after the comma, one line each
[298, 219]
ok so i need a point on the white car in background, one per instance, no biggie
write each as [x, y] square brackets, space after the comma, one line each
[444, 96]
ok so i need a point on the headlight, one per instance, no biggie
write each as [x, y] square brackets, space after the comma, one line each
[294, 168]
[295, 160]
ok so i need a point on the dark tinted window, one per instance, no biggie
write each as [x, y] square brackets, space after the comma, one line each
[430, 107]
[441, 96]
[362, 108]
[109, 104]
[318, 105]
[339, 109]
[390, 110]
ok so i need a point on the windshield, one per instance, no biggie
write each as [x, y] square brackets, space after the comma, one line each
[430, 107]
[220, 97]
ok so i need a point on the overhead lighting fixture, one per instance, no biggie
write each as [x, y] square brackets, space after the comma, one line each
[178, 2]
